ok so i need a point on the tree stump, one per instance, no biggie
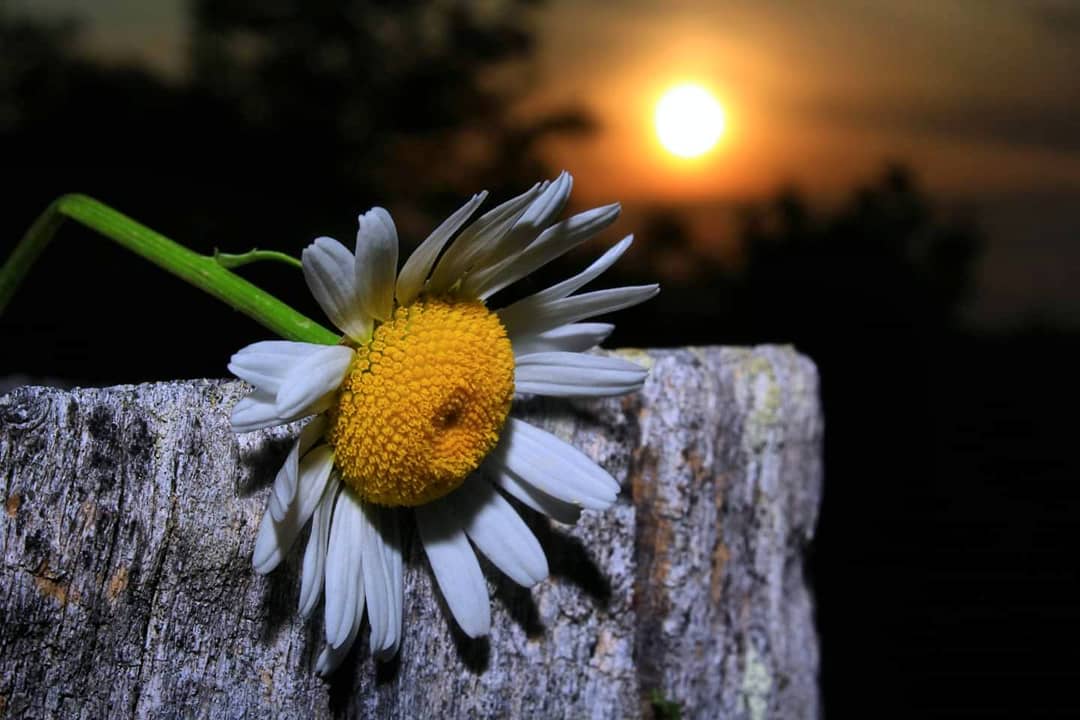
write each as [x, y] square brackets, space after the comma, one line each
[130, 515]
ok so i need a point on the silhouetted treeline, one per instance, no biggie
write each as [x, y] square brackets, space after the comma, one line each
[886, 260]
[294, 117]
[320, 107]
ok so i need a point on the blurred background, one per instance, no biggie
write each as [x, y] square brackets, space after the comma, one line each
[892, 187]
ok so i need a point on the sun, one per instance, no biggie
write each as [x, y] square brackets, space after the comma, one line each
[689, 120]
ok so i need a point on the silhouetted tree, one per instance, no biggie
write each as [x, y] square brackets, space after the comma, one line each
[885, 259]
[667, 251]
[293, 117]
[386, 100]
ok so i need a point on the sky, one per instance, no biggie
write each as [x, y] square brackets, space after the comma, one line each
[978, 96]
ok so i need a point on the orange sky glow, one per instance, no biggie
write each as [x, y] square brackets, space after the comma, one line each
[975, 95]
[821, 96]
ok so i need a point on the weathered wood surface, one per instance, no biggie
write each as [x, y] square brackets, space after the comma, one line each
[130, 514]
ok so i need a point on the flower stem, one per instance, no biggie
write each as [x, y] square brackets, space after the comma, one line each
[209, 274]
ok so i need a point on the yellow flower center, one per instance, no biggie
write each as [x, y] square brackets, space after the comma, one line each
[423, 403]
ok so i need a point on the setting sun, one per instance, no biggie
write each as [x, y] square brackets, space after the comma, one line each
[689, 120]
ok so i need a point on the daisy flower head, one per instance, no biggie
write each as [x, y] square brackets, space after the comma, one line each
[411, 410]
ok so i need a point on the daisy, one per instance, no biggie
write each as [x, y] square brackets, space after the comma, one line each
[411, 410]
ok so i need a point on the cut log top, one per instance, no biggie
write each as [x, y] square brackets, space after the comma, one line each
[130, 515]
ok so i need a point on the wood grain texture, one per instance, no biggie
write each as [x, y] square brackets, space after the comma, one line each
[130, 515]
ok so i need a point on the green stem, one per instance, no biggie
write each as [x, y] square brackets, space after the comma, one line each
[205, 273]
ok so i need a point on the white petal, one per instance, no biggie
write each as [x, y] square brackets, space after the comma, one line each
[311, 583]
[571, 285]
[569, 374]
[577, 337]
[275, 538]
[395, 566]
[376, 263]
[285, 482]
[319, 373]
[554, 467]
[268, 365]
[541, 502]
[258, 411]
[536, 217]
[527, 316]
[284, 488]
[330, 271]
[543, 211]
[382, 569]
[499, 532]
[344, 578]
[552, 243]
[411, 279]
[478, 238]
[456, 570]
[254, 412]
[265, 364]
[330, 657]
